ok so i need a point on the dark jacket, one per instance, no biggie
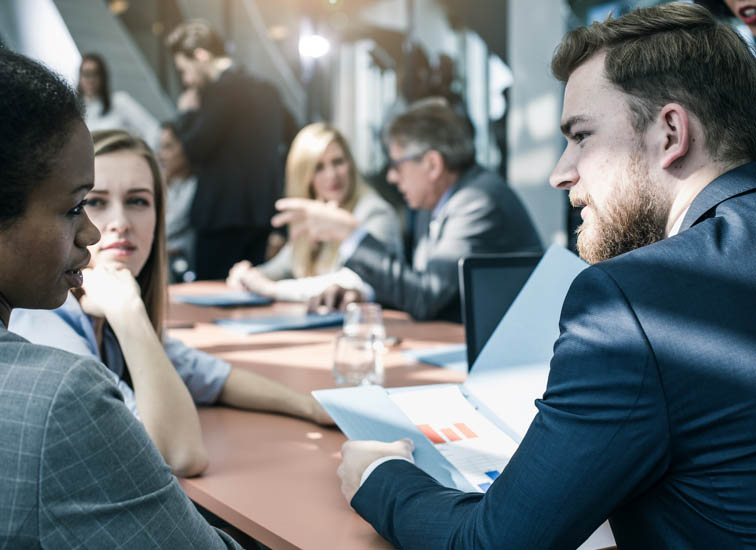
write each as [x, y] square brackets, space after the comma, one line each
[649, 416]
[232, 142]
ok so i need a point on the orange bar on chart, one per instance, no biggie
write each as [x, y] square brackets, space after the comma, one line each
[467, 432]
[450, 434]
[430, 433]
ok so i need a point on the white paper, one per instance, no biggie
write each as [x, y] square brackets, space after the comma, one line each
[469, 441]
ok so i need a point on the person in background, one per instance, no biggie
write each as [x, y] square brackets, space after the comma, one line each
[744, 10]
[232, 128]
[463, 209]
[77, 470]
[320, 167]
[105, 109]
[181, 185]
[649, 414]
[118, 318]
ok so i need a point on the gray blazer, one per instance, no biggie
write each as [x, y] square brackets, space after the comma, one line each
[483, 215]
[77, 470]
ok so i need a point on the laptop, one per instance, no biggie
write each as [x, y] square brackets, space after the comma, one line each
[488, 285]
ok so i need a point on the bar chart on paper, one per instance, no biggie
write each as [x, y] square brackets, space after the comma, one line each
[467, 439]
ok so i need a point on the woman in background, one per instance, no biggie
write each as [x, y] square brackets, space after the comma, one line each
[744, 10]
[181, 185]
[319, 167]
[119, 317]
[106, 110]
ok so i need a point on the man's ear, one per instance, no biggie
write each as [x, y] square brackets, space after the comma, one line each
[674, 125]
[435, 162]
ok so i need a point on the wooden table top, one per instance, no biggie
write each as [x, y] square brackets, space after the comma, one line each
[271, 476]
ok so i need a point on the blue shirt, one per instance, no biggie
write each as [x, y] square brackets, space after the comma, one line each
[70, 329]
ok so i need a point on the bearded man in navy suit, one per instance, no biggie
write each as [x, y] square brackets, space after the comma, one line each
[649, 416]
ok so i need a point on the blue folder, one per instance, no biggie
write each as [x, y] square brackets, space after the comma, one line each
[230, 298]
[453, 357]
[255, 325]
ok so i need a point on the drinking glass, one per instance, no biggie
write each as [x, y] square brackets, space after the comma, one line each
[357, 360]
[364, 319]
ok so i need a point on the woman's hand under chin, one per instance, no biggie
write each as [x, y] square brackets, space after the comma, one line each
[109, 290]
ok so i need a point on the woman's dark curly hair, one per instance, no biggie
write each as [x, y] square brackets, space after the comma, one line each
[37, 112]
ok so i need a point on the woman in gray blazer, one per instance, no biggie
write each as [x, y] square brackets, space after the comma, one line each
[77, 469]
[319, 167]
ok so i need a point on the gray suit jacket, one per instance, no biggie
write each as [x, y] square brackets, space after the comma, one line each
[483, 215]
[77, 470]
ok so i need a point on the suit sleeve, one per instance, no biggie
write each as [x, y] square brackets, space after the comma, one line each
[203, 130]
[102, 482]
[423, 294]
[601, 437]
[280, 266]
[200, 130]
[380, 220]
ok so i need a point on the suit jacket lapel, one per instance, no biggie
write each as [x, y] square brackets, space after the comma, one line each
[735, 182]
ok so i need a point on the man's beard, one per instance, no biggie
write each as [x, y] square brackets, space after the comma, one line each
[635, 216]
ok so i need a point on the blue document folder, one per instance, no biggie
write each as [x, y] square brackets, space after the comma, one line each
[453, 357]
[231, 298]
[268, 323]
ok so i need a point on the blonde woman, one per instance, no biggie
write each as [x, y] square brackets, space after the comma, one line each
[118, 318]
[320, 167]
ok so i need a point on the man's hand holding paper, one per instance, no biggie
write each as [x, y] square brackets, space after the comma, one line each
[357, 456]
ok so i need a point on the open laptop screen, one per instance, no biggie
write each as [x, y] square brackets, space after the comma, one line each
[488, 284]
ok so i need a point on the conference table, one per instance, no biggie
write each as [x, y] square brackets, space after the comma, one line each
[274, 477]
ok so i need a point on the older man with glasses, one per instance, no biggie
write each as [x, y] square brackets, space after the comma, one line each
[462, 208]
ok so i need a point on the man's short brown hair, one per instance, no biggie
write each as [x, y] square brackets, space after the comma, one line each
[197, 33]
[431, 124]
[677, 53]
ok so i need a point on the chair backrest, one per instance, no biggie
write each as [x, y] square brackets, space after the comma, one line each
[488, 284]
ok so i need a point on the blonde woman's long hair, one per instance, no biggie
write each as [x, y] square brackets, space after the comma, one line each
[153, 277]
[308, 147]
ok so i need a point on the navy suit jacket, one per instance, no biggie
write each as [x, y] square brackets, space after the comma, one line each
[649, 417]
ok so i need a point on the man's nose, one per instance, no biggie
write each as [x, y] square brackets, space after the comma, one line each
[565, 174]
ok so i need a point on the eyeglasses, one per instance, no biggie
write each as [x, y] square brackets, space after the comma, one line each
[394, 164]
[90, 73]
